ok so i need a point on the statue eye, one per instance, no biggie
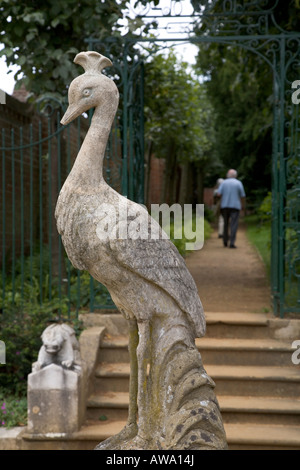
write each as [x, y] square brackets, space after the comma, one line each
[86, 92]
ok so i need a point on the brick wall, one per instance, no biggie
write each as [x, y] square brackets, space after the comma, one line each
[156, 176]
[18, 168]
[208, 197]
[30, 173]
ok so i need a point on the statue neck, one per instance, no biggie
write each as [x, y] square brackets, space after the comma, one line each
[87, 171]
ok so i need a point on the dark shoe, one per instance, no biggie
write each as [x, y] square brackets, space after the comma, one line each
[232, 246]
[225, 244]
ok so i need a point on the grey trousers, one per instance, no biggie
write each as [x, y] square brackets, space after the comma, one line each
[231, 218]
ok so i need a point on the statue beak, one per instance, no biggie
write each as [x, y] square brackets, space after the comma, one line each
[71, 114]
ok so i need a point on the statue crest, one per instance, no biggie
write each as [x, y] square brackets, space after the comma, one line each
[92, 62]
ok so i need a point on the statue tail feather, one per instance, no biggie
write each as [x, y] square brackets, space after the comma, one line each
[191, 417]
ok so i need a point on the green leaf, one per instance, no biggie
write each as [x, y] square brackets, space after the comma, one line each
[33, 34]
[103, 418]
[55, 22]
[36, 17]
[21, 60]
[19, 30]
[30, 36]
[8, 52]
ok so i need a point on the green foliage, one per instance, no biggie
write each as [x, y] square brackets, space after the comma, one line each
[259, 234]
[265, 209]
[209, 214]
[30, 305]
[178, 126]
[239, 86]
[178, 114]
[31, 302]
[177, 235]
[43, 36]
[21, 327]
[24, 317]
[21, 331]
[13, 410]
[79, 294]
[30, 283]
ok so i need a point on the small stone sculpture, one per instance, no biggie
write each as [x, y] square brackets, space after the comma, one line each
[60, 347]
[56, 386]
[148, 281]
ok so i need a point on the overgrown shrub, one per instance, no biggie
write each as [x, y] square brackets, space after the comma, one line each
[13, 411]
[180, 243]
[24, 317]
[265, 209]
[22, 324]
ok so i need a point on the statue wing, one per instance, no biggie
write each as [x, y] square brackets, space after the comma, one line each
[158, 261]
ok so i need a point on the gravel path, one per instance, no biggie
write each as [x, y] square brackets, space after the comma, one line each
[230, 280]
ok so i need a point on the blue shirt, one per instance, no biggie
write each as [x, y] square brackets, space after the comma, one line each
[231, 191]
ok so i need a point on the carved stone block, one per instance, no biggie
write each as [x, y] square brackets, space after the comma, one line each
[55, 400]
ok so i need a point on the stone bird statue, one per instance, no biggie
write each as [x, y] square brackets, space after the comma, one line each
[148, 280]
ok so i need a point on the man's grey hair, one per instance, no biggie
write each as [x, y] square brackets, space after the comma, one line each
[231, 173]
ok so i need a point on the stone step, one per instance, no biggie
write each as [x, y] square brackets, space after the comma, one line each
[262, 437]
[245, 436]
[237, 325]
[251, 352]
[219, 324]
[246, 409]
[114, 349]
[108, 406]
[230, 380]
[109, 400]
[260, 410]
[233, 351]
[112, 377]
[89, 435]
[256, 381]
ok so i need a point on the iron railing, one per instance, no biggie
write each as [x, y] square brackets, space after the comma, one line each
[36, 159]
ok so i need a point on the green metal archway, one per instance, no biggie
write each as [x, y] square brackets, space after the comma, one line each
[42, 157]
[252, 26]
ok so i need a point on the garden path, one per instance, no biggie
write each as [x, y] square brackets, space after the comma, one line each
[230, 280]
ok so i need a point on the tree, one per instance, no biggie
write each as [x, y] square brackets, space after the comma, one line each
[240, 90]
[178, 119]
[43, 36]
[240, 86]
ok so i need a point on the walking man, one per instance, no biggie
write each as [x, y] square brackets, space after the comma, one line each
[232, 201]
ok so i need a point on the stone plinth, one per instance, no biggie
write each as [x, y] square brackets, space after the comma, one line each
[55, 400]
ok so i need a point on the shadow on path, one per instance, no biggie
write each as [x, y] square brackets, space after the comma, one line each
[230, 280]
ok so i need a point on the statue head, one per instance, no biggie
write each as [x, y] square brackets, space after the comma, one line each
[53, 339]
[91, 88]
